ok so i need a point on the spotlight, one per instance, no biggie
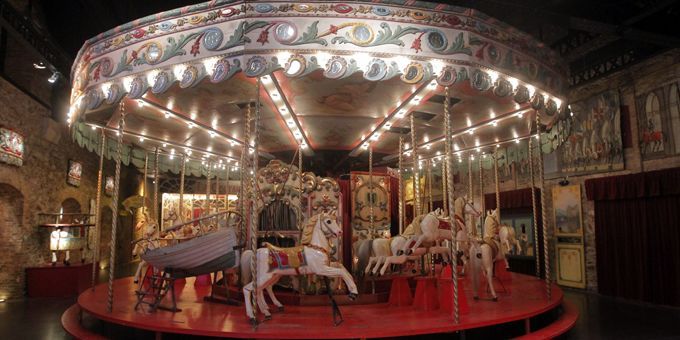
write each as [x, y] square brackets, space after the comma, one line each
[53, 78]
[39, 65]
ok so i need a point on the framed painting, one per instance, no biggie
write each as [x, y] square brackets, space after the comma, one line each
[75, 173]
[570, 265]
[567, 210]
[11, 147]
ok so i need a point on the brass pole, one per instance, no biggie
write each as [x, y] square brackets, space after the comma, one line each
[97, 212]
[471, 192]
[181, 188]
[428, 165]
[497, 183]
[254, 196]
[449, 181]
[302, 187]
[481, 194]
[155, 188]
[445, 165]
[243, 189]
[417, 211]
[546, 245]
[207, 188]
[226, 189]
[534, 209]
[401, 185]
[114, 202]
[371, 218]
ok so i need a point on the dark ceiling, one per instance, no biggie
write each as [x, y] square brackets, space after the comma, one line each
[594, 37]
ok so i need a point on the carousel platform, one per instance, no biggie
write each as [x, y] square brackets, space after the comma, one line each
[522, 303]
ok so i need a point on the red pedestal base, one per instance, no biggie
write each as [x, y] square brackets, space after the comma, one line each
[203, 281]
[426, 293]
[446, 296]
[59, 280]
[400, 293]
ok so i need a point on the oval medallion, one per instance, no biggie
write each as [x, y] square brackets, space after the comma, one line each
[161, 82]
[188, 76]
[335, 68]
[256, 66]
[113, 94]
[137, 88]
[503, 88]
[93, 98]
[437, 41]
[381, 11]
[296, 65]
[153, 54]
[521, 94]
[212, 38]
[413, 73]
[376, 70]
[285, 33]
[220, 70]
[447, 76]
[551, 107]
[105, 67]
[263, 8]
[342, 8]
[361, 34]
[480, 81]
[537, 102]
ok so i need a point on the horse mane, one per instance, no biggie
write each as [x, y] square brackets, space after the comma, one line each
[308, 230]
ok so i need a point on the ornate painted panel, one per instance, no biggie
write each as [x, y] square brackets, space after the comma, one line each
[594, 141]
[659, 121]
[362, 196]
[11, 147]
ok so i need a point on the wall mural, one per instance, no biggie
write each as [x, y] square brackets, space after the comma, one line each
[361, 198]
[659, 121]
[594, 142]
[11, 147]
[194, 206]
[75, 172]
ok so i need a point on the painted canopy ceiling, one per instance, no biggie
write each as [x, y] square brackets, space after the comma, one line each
[333, 76]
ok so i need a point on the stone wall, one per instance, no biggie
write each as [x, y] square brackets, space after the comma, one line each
[630, 82]
[40, 186]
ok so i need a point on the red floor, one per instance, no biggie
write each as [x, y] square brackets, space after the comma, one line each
[361, 321]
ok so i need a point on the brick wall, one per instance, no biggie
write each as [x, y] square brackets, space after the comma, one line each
[39, 186]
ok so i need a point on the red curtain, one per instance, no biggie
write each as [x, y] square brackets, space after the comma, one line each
[346, 196]
[520, 198]
[637, 229]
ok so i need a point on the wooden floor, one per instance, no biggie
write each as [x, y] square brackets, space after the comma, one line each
[527, 299]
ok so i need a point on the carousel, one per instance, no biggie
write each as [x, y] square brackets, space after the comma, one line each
[431, 103]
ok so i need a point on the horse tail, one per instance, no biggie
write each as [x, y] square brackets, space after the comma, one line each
[363, 253]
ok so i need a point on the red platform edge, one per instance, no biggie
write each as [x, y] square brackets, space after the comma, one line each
[239, 326]
[70, 321]
[564, 323]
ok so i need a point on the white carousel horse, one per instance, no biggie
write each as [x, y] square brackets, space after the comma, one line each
[148, 241]
[493, 247]
[461, 207]
[312, 257]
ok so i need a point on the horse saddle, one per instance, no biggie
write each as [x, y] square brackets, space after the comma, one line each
[445, 225]
[286, 258]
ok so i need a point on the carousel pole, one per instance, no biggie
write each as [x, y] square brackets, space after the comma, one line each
[534, 209]
[450, 188]
[481, 194]
[428, 168]
[217, 186]
[498, 185]
[401, 185]
[226, 189]
[471, 192]
[371, 218]
[181, 189]
[97, 212]
[417, 208]
[207, 188]
[253, 198]
[243, 189]
[155, 188]
[302, 187]
[541, 180]
[114, 202]
[445, 165]
[146, 173]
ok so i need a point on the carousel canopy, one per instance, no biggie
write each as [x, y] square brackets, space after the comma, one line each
[333, 76]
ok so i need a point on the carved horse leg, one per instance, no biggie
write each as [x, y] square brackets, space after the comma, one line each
[487, 262]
